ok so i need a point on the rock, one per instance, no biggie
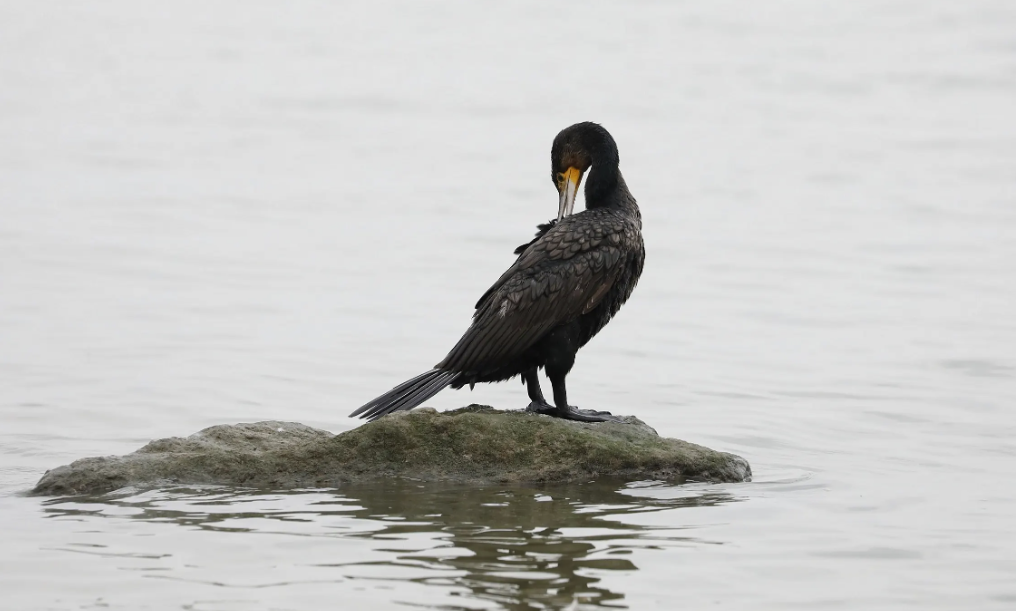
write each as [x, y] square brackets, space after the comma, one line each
[475, 444]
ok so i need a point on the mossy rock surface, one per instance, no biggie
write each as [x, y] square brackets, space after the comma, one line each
[473, 444]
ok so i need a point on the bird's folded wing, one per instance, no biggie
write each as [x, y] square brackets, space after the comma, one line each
[543, 289]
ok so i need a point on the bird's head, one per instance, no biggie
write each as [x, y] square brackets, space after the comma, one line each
[575, 149]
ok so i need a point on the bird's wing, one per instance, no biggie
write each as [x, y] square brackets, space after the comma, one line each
[542, 229]
[562, 275]
[520, 250]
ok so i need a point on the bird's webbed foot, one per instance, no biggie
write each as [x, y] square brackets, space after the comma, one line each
[540, 407]
[572, 413]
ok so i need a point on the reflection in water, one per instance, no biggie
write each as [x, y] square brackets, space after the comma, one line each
[519, 547]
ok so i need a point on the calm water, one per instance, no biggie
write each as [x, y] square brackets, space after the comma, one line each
[236, 211]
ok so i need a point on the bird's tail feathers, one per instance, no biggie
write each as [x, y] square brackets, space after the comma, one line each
[407, 395]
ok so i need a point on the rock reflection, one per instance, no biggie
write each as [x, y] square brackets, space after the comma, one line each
[519, 547]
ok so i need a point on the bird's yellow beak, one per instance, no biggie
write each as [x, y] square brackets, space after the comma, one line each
[568, 186]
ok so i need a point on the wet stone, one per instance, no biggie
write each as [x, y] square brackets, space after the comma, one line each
[475, 444]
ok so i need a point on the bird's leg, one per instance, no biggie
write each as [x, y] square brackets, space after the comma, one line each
[537, 401]
[562, 408]
[559, 349]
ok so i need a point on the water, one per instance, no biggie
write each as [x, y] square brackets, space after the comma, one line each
[233, 212]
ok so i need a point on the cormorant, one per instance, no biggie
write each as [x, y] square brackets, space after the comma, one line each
[565, 286]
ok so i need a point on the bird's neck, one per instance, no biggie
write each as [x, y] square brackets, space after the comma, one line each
[605, 188]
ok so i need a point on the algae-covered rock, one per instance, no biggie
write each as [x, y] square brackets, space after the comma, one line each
[473, 444]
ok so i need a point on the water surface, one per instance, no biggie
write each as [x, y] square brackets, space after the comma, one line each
[231, 212]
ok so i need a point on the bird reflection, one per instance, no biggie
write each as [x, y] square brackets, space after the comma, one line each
[520, 547]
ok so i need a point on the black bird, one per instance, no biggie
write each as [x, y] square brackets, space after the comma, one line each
[565, 286]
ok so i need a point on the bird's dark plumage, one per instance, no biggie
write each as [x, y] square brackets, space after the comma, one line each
[541, 230]
[563, 288]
